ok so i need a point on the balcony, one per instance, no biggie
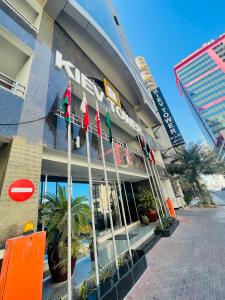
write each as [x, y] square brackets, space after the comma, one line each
[14, 86]
[126, 157]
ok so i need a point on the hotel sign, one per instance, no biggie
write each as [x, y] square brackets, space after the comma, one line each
[112, 93]
[90, 87]
[167, 118]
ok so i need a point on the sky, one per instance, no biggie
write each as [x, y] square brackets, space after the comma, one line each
[165, 32]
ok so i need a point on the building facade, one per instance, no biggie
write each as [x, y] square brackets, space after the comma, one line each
[43, 44]
[167, 150]
[201, 79]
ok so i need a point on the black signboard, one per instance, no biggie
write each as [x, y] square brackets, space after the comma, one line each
[167, 118]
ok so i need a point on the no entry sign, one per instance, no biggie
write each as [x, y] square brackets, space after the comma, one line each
[21, 190]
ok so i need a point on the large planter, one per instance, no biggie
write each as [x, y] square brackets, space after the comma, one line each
[152, 215]
[128, 277]
[105, 286]
[168, 231]
[58, 273]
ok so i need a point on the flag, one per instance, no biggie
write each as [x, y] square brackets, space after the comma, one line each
[144, 147]
[152, 156]
[148, 149]
[97, 119]
[66, 103]
[84, 109]
[108, 125]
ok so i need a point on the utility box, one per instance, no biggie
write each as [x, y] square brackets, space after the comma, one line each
[22, 269]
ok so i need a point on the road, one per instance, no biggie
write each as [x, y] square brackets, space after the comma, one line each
[219, 197]
[189, 265]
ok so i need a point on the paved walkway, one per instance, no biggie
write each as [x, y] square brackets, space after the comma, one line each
[190, 264]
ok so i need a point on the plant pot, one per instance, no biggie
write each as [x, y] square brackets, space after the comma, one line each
[93, 295]
[123, 270]
[105, 286]
[168, 231]
[58, 273]
[152, 215]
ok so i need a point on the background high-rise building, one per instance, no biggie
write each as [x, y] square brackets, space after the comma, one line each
[167, 149]
[201, 78]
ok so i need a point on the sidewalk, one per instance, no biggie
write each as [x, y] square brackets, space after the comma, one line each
[190, 264]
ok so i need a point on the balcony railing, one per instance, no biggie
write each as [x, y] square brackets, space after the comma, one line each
[125, 155]
[11, 6]
[162, 171]
[14, 86]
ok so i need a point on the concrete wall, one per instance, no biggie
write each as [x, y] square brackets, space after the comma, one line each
[24, 162]
[4, 156]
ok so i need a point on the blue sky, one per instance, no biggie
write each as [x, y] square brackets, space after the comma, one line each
[165, 32]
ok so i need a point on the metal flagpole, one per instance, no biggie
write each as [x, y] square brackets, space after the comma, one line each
[122, 206]
[150, 181]
[131, 186]
[92, 213]
[155, 170]
[223, 156]
[160, 197]
[45, 193]
[221, 148]
[108, 200]
[117, 204]
[69, 279]
[125, 192]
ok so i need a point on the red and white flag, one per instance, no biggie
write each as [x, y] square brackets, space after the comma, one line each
[152, 157]
[97, 120]
[84, 109]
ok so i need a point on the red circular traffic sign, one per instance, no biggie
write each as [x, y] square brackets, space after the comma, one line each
[21, 190]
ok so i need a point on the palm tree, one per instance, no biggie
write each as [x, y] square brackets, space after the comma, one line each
[192, 161]
[55, 217]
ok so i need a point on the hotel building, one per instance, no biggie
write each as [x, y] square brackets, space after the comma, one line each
[43, 44]
[160, 132]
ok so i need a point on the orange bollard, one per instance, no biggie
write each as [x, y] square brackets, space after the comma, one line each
[171, 208]
[22, 268]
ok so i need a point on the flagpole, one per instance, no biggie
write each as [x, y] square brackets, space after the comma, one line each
[157, 187]
[122, 206]
[158, 180]
[92, 214]
[45, 193]
[69, 279]
[131, 186]
[108, 200]
[153, 191]
[156, 183]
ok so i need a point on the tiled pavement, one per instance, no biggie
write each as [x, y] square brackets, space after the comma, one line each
[190, 265]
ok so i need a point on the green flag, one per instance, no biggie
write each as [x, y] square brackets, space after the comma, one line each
[67, 103]
[108, 125]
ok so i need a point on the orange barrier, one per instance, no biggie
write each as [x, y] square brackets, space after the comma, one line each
[22, 268]
[171, 208]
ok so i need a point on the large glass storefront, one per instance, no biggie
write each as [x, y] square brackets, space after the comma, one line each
[50, 184]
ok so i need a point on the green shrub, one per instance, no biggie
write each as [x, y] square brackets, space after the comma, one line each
[187, 199]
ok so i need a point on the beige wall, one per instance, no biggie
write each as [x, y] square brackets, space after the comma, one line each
[24, 162]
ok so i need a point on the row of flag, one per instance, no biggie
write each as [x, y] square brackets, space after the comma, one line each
[148, 152]
[84, 110]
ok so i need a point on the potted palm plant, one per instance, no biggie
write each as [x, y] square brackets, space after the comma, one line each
[147, 205]
[106, 275]
[55, 218]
